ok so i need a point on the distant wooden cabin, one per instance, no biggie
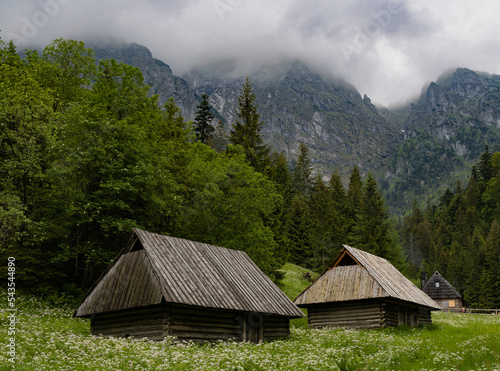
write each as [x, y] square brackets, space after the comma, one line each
[162, 286]
[361, 290]
[442, 292]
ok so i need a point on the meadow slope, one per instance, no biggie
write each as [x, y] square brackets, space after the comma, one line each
[49, 338]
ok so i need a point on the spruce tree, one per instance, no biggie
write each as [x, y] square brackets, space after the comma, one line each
[301, 172]
[246, 130]
[202, 122]
[219, 140]
[491, 278]
[325, 221]
[280, 174]
[372, 230]
[299, 231]
[354, 195]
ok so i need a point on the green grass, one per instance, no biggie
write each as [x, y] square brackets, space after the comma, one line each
[293, 284]
[49, 338]
[294, 281]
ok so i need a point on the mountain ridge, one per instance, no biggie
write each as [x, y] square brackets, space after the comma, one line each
[447, 127]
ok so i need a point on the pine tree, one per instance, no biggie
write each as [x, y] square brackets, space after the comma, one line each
[219, 140]
[301, 172]
[246, 130]
[485, 165]
[491, 278]
[372, 230]
[338, 192]
[340, 206]
[325, 223]
[354, 195]
[473, 260]
[280, 174]
[202, 122]
[299, 231]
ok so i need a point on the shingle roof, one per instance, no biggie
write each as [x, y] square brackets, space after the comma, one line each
[155, 267]
[365, 276]
[444, 291]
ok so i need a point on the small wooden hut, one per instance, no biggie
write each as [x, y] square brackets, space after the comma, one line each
[361, 290]
[442, 292]
[162, 286]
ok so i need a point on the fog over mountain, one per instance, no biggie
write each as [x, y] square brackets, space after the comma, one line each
[387, 49]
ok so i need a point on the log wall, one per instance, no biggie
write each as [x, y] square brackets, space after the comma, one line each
[203, 324]
[367, 314]
[190, 323]
[151, 322]
[276, 327]
[356, 314]
[401, 313]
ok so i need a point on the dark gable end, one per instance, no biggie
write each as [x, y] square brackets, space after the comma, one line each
[129, 283]
[439, 288]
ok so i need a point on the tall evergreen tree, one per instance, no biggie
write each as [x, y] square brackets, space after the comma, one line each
[325, 222]
[340, 226]
[485, 165]
[372, 230]
[219, 139]
[338, 192]
[301, 172]
[299, 231]
[202, 121]
[473, 265]
[280, 174]
[246, 130]
[491, 272]
[354, 195]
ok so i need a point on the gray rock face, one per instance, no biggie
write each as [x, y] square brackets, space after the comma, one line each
[411, 152]
[156, 73]
[296, 105]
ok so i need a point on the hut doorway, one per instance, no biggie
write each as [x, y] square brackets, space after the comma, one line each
[407, 316]
[253, 328]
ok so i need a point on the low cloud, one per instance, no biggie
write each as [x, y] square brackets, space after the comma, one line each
[387, 49]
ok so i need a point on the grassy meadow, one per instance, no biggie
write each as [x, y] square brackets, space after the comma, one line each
[49, 338]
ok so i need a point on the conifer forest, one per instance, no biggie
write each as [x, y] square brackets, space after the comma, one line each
[86, 155]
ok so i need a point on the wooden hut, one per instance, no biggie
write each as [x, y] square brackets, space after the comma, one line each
[442, 292]
[164, 286]
[361, 290]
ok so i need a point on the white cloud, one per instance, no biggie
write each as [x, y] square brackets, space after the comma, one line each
[387, 49]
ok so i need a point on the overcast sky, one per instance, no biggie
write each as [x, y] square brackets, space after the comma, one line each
[386, 49]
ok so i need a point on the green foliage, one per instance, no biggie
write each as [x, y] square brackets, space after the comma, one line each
[301, 171]
[86, 155]
[299, 231]
[203, 128]
[246, 129]
[228, 205]
[372, 230]
[459, 237]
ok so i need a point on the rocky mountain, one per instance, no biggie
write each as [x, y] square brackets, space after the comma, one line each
[340, 127]
[414, 152]
[445, 132]
[156, 73]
